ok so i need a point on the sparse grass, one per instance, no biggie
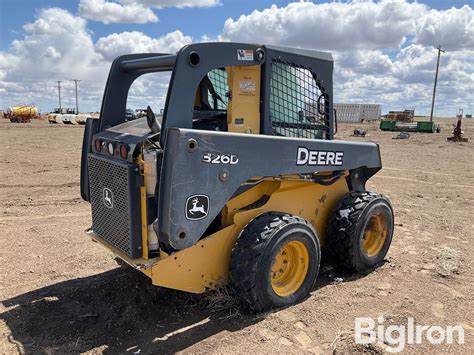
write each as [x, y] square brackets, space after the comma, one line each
[221, 299]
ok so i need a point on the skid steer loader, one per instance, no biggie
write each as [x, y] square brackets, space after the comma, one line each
[239, 181]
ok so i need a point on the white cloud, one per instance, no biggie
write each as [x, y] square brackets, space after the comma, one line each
[117, 44]
[407, 79]
[384, 51]
[133, 11]
[416, 64]
[173, 3]
[7, 63]
[453, 28]
[112, 12]
[58, 46]
[54, 45]
[335, 25]
[364, 61]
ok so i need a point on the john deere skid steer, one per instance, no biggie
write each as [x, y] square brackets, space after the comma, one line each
[239, 180]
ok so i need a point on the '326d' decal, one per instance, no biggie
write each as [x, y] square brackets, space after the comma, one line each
[212, 158]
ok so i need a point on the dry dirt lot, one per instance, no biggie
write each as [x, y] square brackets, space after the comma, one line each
[60, 292]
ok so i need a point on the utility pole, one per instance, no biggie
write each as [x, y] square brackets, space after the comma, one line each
[77, 104]
[59, 93]
[436, 81]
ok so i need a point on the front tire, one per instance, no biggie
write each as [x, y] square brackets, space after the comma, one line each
[360, 230]
[275, 261]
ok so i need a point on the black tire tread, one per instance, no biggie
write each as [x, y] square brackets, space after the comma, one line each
[246, 253]
[342, 227]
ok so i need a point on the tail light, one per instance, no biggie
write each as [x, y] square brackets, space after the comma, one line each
[98, 145]
[124, 151]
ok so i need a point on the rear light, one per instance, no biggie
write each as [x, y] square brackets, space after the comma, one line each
[123, 151]
[98, 145]
[110, 148]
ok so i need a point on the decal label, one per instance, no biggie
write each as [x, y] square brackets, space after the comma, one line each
[247, 85]
[108, 197]
[197, 207]
[239, 121]
[225, 159]
[309, 157]
[244, 54]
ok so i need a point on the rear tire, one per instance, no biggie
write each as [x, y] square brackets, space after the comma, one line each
[360, 230]
[275, 261]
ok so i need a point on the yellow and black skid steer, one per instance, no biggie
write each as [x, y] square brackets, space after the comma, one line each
[239, 180]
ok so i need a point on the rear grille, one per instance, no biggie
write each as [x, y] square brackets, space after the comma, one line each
[115, 201]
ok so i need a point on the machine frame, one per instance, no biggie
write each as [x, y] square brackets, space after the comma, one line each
[254, 173]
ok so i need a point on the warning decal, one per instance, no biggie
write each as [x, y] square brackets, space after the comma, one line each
[244, 54]
[247, 85]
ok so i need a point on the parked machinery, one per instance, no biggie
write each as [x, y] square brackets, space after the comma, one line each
[237, 182]
[401, 116]
[21, 113]
[457, 130]
[404, 121]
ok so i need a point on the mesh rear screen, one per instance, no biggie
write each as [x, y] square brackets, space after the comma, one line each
[298, 105]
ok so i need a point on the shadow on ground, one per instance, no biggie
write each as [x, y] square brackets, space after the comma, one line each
[118, 311]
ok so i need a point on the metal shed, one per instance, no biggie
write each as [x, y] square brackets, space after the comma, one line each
[357, 112]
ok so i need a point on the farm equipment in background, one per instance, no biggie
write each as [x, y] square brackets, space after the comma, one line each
[401, 116]
[22, 113]
[418, 126]
[404, 121]
[237, 182]
[457, 130]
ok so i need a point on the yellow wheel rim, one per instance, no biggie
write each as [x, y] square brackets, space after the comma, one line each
[289, 268]
[375, 234]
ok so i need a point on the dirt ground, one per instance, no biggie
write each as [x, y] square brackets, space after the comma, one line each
[60, 292]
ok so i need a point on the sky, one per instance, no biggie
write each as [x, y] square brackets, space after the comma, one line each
[384, 51]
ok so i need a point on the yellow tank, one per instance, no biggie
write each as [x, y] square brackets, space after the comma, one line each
[23, 111]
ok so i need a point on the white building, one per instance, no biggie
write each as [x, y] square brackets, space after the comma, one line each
[357, 112]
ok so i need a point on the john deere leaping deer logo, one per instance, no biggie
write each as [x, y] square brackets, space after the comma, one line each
[108, 197]
[197, 207]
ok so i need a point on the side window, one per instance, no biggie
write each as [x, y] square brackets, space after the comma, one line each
[298, 106]
[218, 78]
[147, 90]
[210, 105]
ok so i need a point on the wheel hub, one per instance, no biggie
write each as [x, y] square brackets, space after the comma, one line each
[375, 234]
[289, 268]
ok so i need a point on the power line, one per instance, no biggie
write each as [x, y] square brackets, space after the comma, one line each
[436, 80]
[77, 103]
[59, 93]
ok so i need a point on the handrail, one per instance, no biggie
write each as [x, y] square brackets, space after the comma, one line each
[165, 62]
